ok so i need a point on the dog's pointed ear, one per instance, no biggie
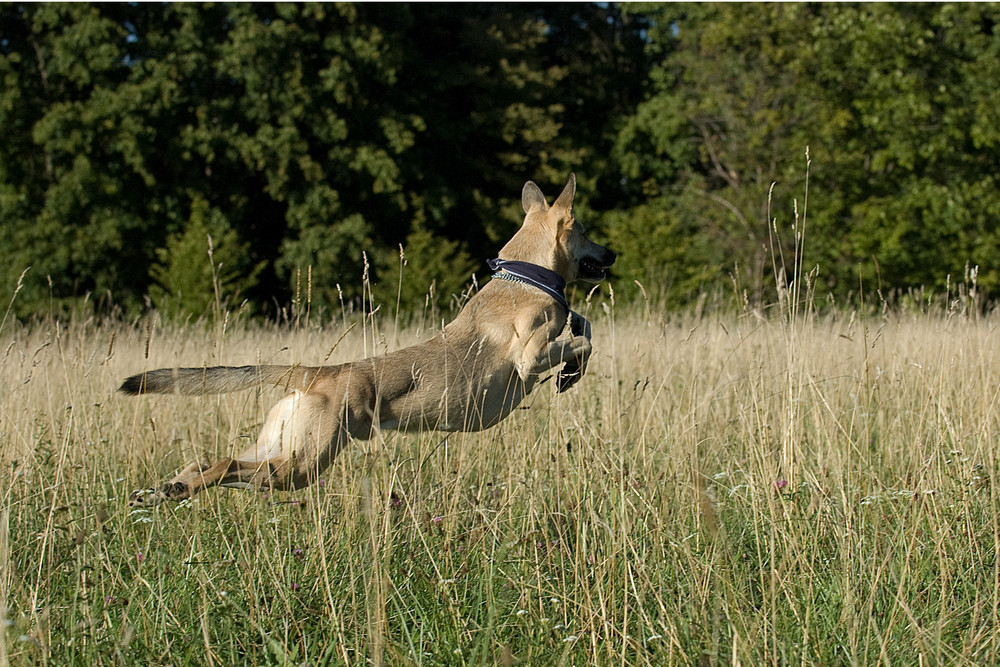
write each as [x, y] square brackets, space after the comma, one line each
[565, 200]
[532, 197]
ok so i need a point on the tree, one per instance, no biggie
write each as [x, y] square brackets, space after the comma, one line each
[890, 100]
[119, 114]
[202, 270]
[319, 132]
[68, 164]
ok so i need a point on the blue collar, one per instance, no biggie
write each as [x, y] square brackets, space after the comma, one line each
[544, 279]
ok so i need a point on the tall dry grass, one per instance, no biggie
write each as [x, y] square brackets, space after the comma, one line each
[738, 488]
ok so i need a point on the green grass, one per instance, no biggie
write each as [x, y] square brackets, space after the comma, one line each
[719, 489]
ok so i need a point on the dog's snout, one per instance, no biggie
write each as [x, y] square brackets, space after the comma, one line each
[605, 257]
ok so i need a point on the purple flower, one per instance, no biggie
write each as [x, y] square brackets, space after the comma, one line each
[139, 557]
[437, 519]
[780, 484]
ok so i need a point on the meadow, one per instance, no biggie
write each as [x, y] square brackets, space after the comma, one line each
[732, 486]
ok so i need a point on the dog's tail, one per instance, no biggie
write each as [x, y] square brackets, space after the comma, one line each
[216, 379]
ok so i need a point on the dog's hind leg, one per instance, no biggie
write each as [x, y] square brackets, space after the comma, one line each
[299, 439]
[185, 484]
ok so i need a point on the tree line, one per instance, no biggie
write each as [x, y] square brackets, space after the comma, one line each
[186, 157]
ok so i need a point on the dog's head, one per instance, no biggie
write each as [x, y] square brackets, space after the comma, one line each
[552, 237]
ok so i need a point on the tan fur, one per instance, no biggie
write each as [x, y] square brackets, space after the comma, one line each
[468, 378]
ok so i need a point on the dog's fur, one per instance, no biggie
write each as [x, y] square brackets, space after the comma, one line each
[468, 378]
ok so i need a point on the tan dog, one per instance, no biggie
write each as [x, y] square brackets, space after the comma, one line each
[467, 378]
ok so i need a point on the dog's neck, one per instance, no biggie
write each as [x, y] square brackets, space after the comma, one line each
[544, 279]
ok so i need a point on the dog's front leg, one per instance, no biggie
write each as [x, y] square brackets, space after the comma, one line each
[574, 352]
[579, 327]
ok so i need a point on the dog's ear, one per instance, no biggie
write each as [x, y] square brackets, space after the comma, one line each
[565, 200]
[532, 197]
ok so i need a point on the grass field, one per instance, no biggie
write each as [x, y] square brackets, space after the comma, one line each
[720, 489]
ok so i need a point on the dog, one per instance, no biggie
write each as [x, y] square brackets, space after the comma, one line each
[467, 378]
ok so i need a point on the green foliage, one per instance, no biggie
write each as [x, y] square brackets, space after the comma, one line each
[319, 132]
[892, 102]
[429, 271]
[322, 132]
[203, 269]
[661, 251]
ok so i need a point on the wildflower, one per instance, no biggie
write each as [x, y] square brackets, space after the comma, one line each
[298, 553]
[139, 557]
[294, 586]
[321, 482]
[522, 612]
[437, 519]
[780, 484]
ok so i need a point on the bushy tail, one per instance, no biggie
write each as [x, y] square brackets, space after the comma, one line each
[215, 379]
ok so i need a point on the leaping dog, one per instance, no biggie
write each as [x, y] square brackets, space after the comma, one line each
[467, 378]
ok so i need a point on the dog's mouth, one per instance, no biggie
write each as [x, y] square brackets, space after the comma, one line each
[592, 270]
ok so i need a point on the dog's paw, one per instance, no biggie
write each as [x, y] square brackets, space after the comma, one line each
[579, 325]
[146, 498]
[176, 491]
[173, 491]
[568, 376]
